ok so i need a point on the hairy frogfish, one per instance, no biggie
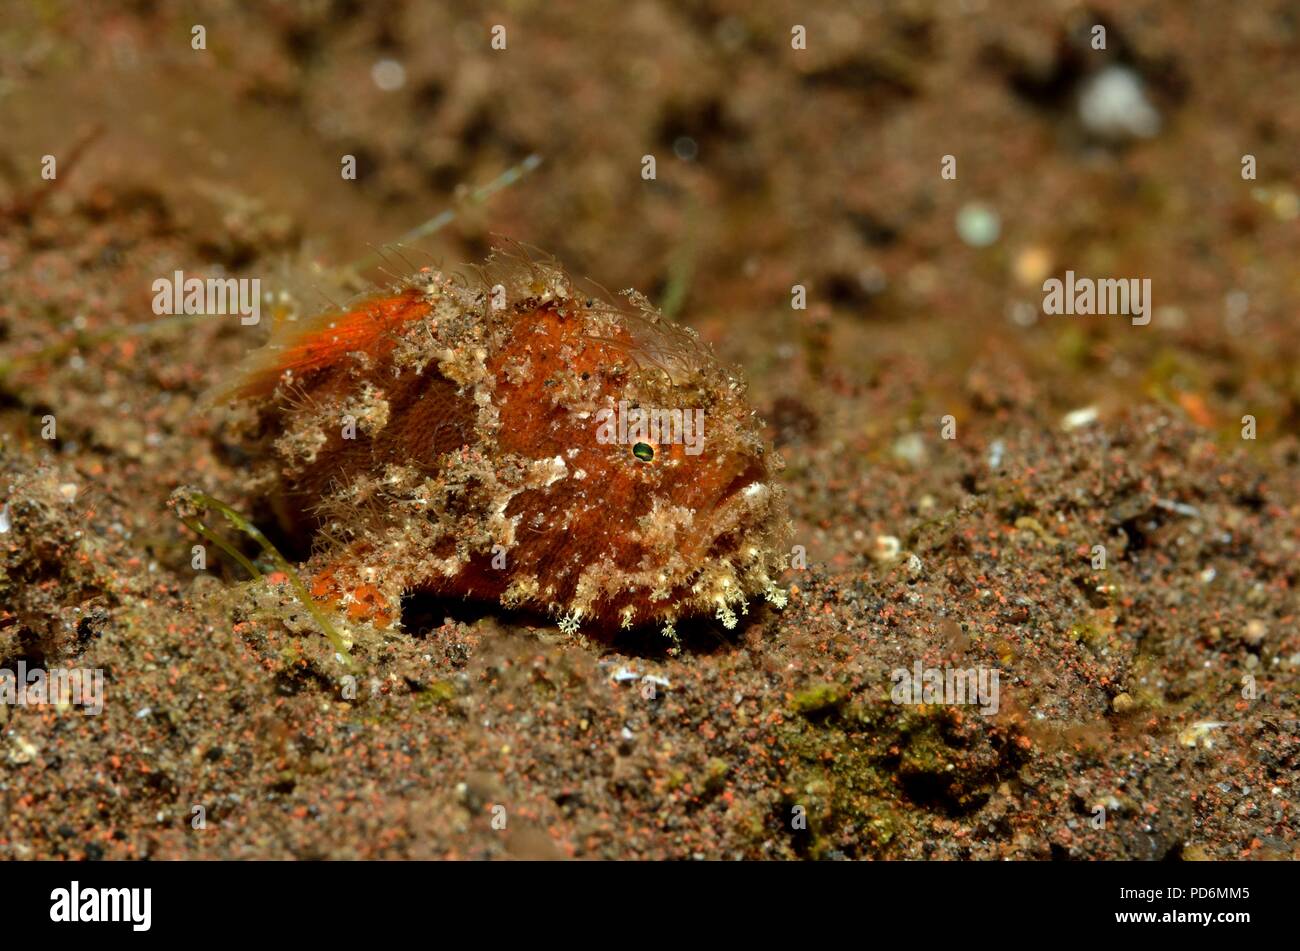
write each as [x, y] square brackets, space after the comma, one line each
[497, 434]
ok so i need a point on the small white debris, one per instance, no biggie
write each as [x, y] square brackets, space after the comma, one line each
[914, 567]
[1256, 631]
[910, 448]
[558, 471]
[1022, 313]
[69, 492]
[5, 524]
[1198, 734]
[1077, 419]
[1110, 803]
[1113, 105]
[21, 750]
[388, 74]
[886, 548]
[996, 451]
[978, 225]
[143, 712]
[1181, 508]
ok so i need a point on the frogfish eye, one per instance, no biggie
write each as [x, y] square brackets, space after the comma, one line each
[643, 451]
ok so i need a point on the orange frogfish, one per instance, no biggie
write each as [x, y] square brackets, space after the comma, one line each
[500, 435]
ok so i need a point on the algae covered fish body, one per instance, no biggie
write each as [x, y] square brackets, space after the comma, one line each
[501, 435]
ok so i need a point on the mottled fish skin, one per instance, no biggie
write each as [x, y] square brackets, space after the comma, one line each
[474, 467]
